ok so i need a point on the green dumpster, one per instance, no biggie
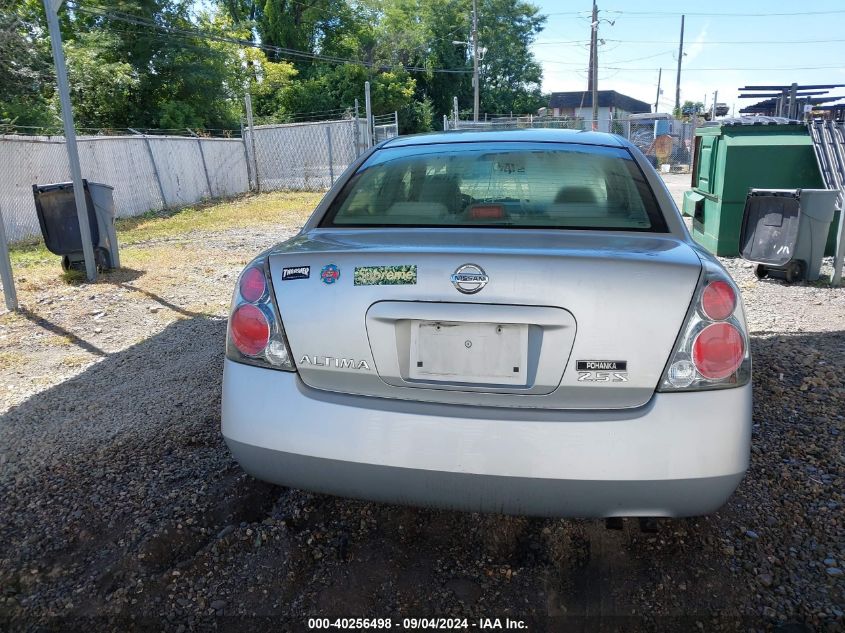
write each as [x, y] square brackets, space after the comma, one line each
[732, 158]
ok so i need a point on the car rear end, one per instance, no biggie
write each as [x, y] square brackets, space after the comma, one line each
[519, 326]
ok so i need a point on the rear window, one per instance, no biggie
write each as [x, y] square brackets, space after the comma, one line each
[514, 185]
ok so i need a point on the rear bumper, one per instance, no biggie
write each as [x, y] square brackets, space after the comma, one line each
[682, 454]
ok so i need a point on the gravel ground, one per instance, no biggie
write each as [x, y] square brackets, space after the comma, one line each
[122, 509]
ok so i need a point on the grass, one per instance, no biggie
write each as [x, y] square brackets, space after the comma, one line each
[73, 277]
[286, 208]
[75, 360]
[8, 360]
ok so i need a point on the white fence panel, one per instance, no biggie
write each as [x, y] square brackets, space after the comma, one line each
[225, 160]
[124, 162]
[22, 164]
[180, 169]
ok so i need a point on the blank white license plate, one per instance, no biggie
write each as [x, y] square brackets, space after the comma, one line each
[479, 353]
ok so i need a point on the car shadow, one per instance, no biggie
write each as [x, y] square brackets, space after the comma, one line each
[122, 505]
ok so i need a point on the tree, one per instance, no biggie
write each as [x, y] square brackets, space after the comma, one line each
[26, 74]
[100, 89]
[171, 64]
[510, 76]
[142, 55]
[690, 108]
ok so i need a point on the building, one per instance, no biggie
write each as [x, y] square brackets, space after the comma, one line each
[612, 105]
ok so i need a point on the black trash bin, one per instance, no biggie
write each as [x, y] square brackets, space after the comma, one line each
[55, 205]
[785, 231]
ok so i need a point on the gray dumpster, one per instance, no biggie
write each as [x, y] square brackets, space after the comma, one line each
[785, 231]
[56, 208]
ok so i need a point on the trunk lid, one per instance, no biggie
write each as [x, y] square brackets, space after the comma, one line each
[568, 320]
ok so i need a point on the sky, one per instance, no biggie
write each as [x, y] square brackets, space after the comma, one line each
[722, 52]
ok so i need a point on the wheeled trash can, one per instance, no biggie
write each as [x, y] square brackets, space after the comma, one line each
[56, 208]
[784, 231]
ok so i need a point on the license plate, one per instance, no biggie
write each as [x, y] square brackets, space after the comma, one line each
[477, 353]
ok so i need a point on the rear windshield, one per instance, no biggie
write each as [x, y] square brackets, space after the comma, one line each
[522, 185]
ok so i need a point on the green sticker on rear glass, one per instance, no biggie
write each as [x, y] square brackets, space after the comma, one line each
[385, 275]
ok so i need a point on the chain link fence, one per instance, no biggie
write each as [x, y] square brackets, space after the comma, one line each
[667, 142]
[150, 172]
[515, 123]
[310, 156]
[147, 172]
[664, 140]
[301, 156]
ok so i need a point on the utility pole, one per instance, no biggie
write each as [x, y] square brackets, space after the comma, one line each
[713, 112]
[680, 58]
[657, 98]
[793, 103]
[51, 8]
[475, 60]
[594, 65]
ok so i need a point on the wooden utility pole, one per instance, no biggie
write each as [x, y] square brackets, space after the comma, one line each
[657, 98]
[680, 58]
[594, 65]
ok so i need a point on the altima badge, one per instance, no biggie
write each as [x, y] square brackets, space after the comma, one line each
[469, 279]
[337, 363]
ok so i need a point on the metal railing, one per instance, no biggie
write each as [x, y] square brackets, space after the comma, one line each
[385, 126]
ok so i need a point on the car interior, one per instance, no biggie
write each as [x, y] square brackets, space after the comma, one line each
[554, 189]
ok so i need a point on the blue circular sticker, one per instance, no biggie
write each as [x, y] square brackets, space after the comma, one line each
[330, 274]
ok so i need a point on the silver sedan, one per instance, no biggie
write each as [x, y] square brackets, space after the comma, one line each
[509, 321]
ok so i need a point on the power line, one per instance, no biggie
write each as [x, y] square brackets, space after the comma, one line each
[548, 42]
[725, 69]
[278, 50]
[645, 14]
[607, 65]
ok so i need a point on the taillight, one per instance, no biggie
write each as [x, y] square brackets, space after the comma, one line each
[256, 335]
[252, 284]
[718, 300]
[718, 350]
[712, 350]
[250, 329]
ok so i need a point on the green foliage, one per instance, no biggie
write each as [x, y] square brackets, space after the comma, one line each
[159, 72]
[26, 74]
[100, 88]
[510, 76]
[416, 116]
[690, 109]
